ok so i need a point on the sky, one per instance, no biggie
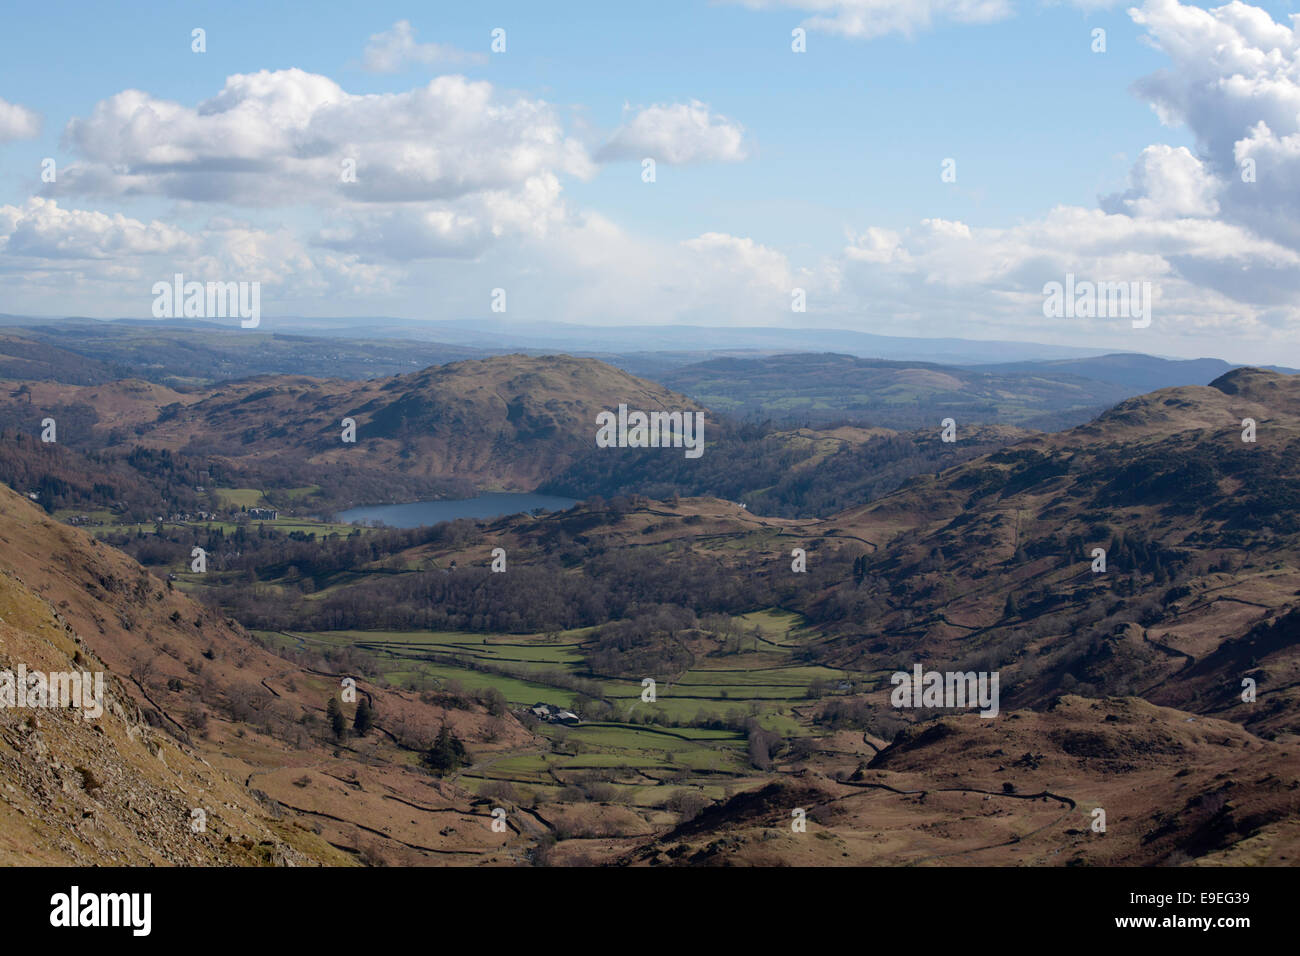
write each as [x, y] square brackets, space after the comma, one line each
[920, 168]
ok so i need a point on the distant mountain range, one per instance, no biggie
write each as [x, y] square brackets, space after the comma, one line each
[818, 389]
[790, 377]
[687, 341]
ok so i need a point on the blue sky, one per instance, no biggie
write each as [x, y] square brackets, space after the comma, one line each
[817, 170]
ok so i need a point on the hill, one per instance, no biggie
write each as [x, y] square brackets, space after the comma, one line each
[824, 388]
[993, 561]
[506, 422]
[1161, 688]
[202, 715]
[1020, 792]
[1132, 371]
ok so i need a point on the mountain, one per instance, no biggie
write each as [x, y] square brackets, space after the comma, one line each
[825, 388]
[117, 789]
[1020, 792]
[505, 422]
[1161, 688]
[1161, 691]
[494, 334]
[992, 561]
[1135, 373]
[27, 359]
[497, 333]
[197, 353]
[791, 472]
[201, 715]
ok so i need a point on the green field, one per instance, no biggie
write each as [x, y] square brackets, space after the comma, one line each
[238, 497]
[645, 749]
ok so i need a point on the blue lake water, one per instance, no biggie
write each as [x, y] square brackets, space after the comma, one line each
[420, 513]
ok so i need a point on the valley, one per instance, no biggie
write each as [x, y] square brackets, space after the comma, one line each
[718, 635]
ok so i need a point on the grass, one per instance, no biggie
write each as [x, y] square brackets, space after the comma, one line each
[766, 684]
[238, 497]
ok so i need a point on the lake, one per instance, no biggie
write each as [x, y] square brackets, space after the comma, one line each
[420, 513]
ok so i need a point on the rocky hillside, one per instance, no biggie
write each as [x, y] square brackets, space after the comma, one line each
[1020, 791]
[991, 563]
[203, 715]
[114, 790]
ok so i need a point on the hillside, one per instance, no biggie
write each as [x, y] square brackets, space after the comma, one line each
[115, 790]
[821, 389]
[1120, 689]
[506, 423]
[236, 725]
[194, 353]
[25, 358]
[992, 561]
[1135, 372]
[502, 422]
[786, 472]
[1020, 792]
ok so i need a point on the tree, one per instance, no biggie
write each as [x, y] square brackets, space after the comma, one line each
[447, 753]
[495, 701]
[364, 719]
[338, 724]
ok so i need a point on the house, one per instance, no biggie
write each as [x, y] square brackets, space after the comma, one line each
[554, 715]
[263, 514]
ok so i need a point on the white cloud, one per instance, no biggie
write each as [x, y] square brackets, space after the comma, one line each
[41, 229]
[1168, 182]
[396, 48]
[1234, 82]
[865, 19]
[17, 122]
[278, 138]
[460, 190]
[712, 279]
[677, 134]
[94, 260]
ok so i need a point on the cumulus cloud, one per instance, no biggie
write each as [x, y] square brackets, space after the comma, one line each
[396, 48]
[17, 122]
[471, 165]
[592, 270]
[1234, 82]
[677, 134]
[282, 137]
[1215, 235]
[41, 229]
[1168, 182]
[84, 257]
[1219, 244]
[460, 189]
[1004, 270]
